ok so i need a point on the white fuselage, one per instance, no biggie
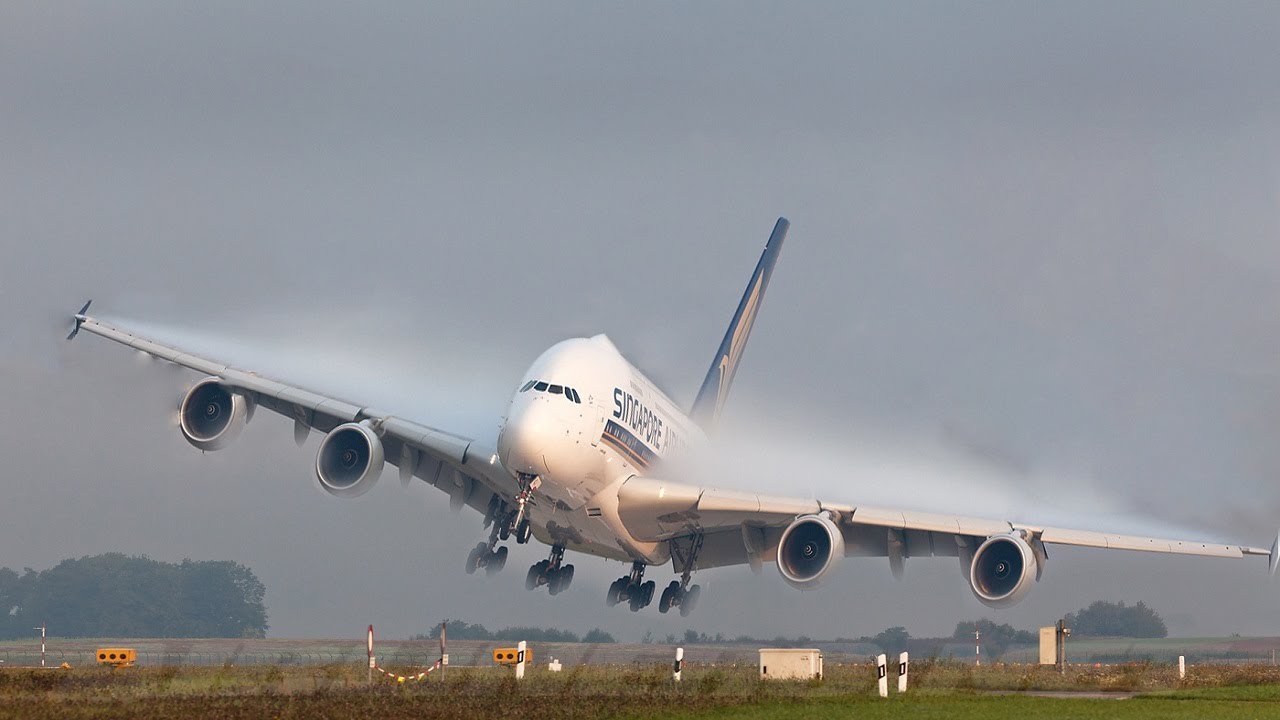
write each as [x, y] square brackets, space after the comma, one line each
[584, 420]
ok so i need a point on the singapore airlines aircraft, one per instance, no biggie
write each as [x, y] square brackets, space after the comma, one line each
[579, 465]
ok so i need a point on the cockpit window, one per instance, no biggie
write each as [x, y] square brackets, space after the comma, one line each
[539, 386]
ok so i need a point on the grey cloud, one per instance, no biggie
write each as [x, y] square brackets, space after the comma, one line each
[1033, 248]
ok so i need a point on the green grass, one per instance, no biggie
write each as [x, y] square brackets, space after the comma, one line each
[939, 690]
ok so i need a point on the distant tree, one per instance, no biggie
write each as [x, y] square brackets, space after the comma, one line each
[892, 639]
[459, 630]
[536, 634]
[114, 595]
[596, 635]
[1106, 619]
[995, 638]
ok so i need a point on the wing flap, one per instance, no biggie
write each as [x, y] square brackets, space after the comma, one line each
[1110, 541]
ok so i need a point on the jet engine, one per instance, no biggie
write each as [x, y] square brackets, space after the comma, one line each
[1002, 570]
[350, 460]
[211, 416]
[810, 546]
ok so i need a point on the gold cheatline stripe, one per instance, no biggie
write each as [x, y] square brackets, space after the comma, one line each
[625, 449]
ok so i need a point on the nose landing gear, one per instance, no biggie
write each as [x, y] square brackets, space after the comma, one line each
[517, 522]
[632, 589]
[550, 572]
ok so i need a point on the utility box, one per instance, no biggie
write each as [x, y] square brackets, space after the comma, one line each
[790, 664]
[1053, 644]
[117, 657]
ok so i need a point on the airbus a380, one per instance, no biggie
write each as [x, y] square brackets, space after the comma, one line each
[582, 462]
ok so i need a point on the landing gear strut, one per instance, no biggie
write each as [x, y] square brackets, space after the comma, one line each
[632, 589]
[518, 521]
[550, 572]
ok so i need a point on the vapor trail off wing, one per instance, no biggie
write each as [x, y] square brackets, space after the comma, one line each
[462, 467]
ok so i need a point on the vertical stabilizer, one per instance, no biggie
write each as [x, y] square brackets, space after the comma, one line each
[715, 388]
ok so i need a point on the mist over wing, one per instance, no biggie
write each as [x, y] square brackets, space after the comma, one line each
[1032, 268]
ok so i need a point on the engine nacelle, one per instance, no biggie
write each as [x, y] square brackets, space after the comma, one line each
[350, 460]
[211, 416]
[1003, 569]
[810, 546]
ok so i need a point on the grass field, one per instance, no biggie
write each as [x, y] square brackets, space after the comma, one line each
[939, 690]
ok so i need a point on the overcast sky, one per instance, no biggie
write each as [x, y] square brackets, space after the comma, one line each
[1033, 271]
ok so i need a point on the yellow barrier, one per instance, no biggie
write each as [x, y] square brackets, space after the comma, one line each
[117, 657]
[509, 656]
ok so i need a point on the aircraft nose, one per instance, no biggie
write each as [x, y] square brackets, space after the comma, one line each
[529, 436]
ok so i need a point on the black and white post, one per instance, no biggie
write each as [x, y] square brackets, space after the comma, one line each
[521, 647]
[902, 672]
[42, 631]
[679, 666]
[882, 673]
[372, 663]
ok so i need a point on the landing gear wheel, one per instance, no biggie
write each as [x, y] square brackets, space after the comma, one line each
[558, 580]
[473, 558]
[496, 561]
[524, 531]
[614, 596]
[690, 600]
[505, 532]
[531, 580]
[669, 593]
[648, 589]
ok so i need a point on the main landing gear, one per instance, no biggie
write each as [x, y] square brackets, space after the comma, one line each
[488, 555]
[632, 589]
[550, 572]
[680, 594]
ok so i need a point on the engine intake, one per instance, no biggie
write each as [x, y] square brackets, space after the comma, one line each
[1003, 569]
[809, 547]
[211, 416]
[350, 460]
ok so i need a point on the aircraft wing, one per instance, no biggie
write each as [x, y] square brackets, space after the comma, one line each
[463, 468]
[734, 527]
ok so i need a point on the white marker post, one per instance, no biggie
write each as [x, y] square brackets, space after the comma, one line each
[1182, 667]
[520, 650]
[902, 673]
[882, 672]
[675, 672]
[371, 660]
[41, 629]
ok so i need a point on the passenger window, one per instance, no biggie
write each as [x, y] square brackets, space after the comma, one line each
[528, 385]
[555, 389]
[540, 387]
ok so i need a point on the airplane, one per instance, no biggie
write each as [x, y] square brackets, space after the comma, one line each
[583, 461]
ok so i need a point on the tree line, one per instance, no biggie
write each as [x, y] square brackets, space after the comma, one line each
[459, 630]
[115, 595]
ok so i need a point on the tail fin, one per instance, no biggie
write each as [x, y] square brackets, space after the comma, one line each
[715, 388]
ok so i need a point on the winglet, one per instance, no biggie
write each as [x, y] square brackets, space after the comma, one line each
[1273, 560]
[80, 317]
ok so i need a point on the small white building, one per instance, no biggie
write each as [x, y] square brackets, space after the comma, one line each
[790, 664]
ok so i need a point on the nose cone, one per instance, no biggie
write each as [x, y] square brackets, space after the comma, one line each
[529, 436]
